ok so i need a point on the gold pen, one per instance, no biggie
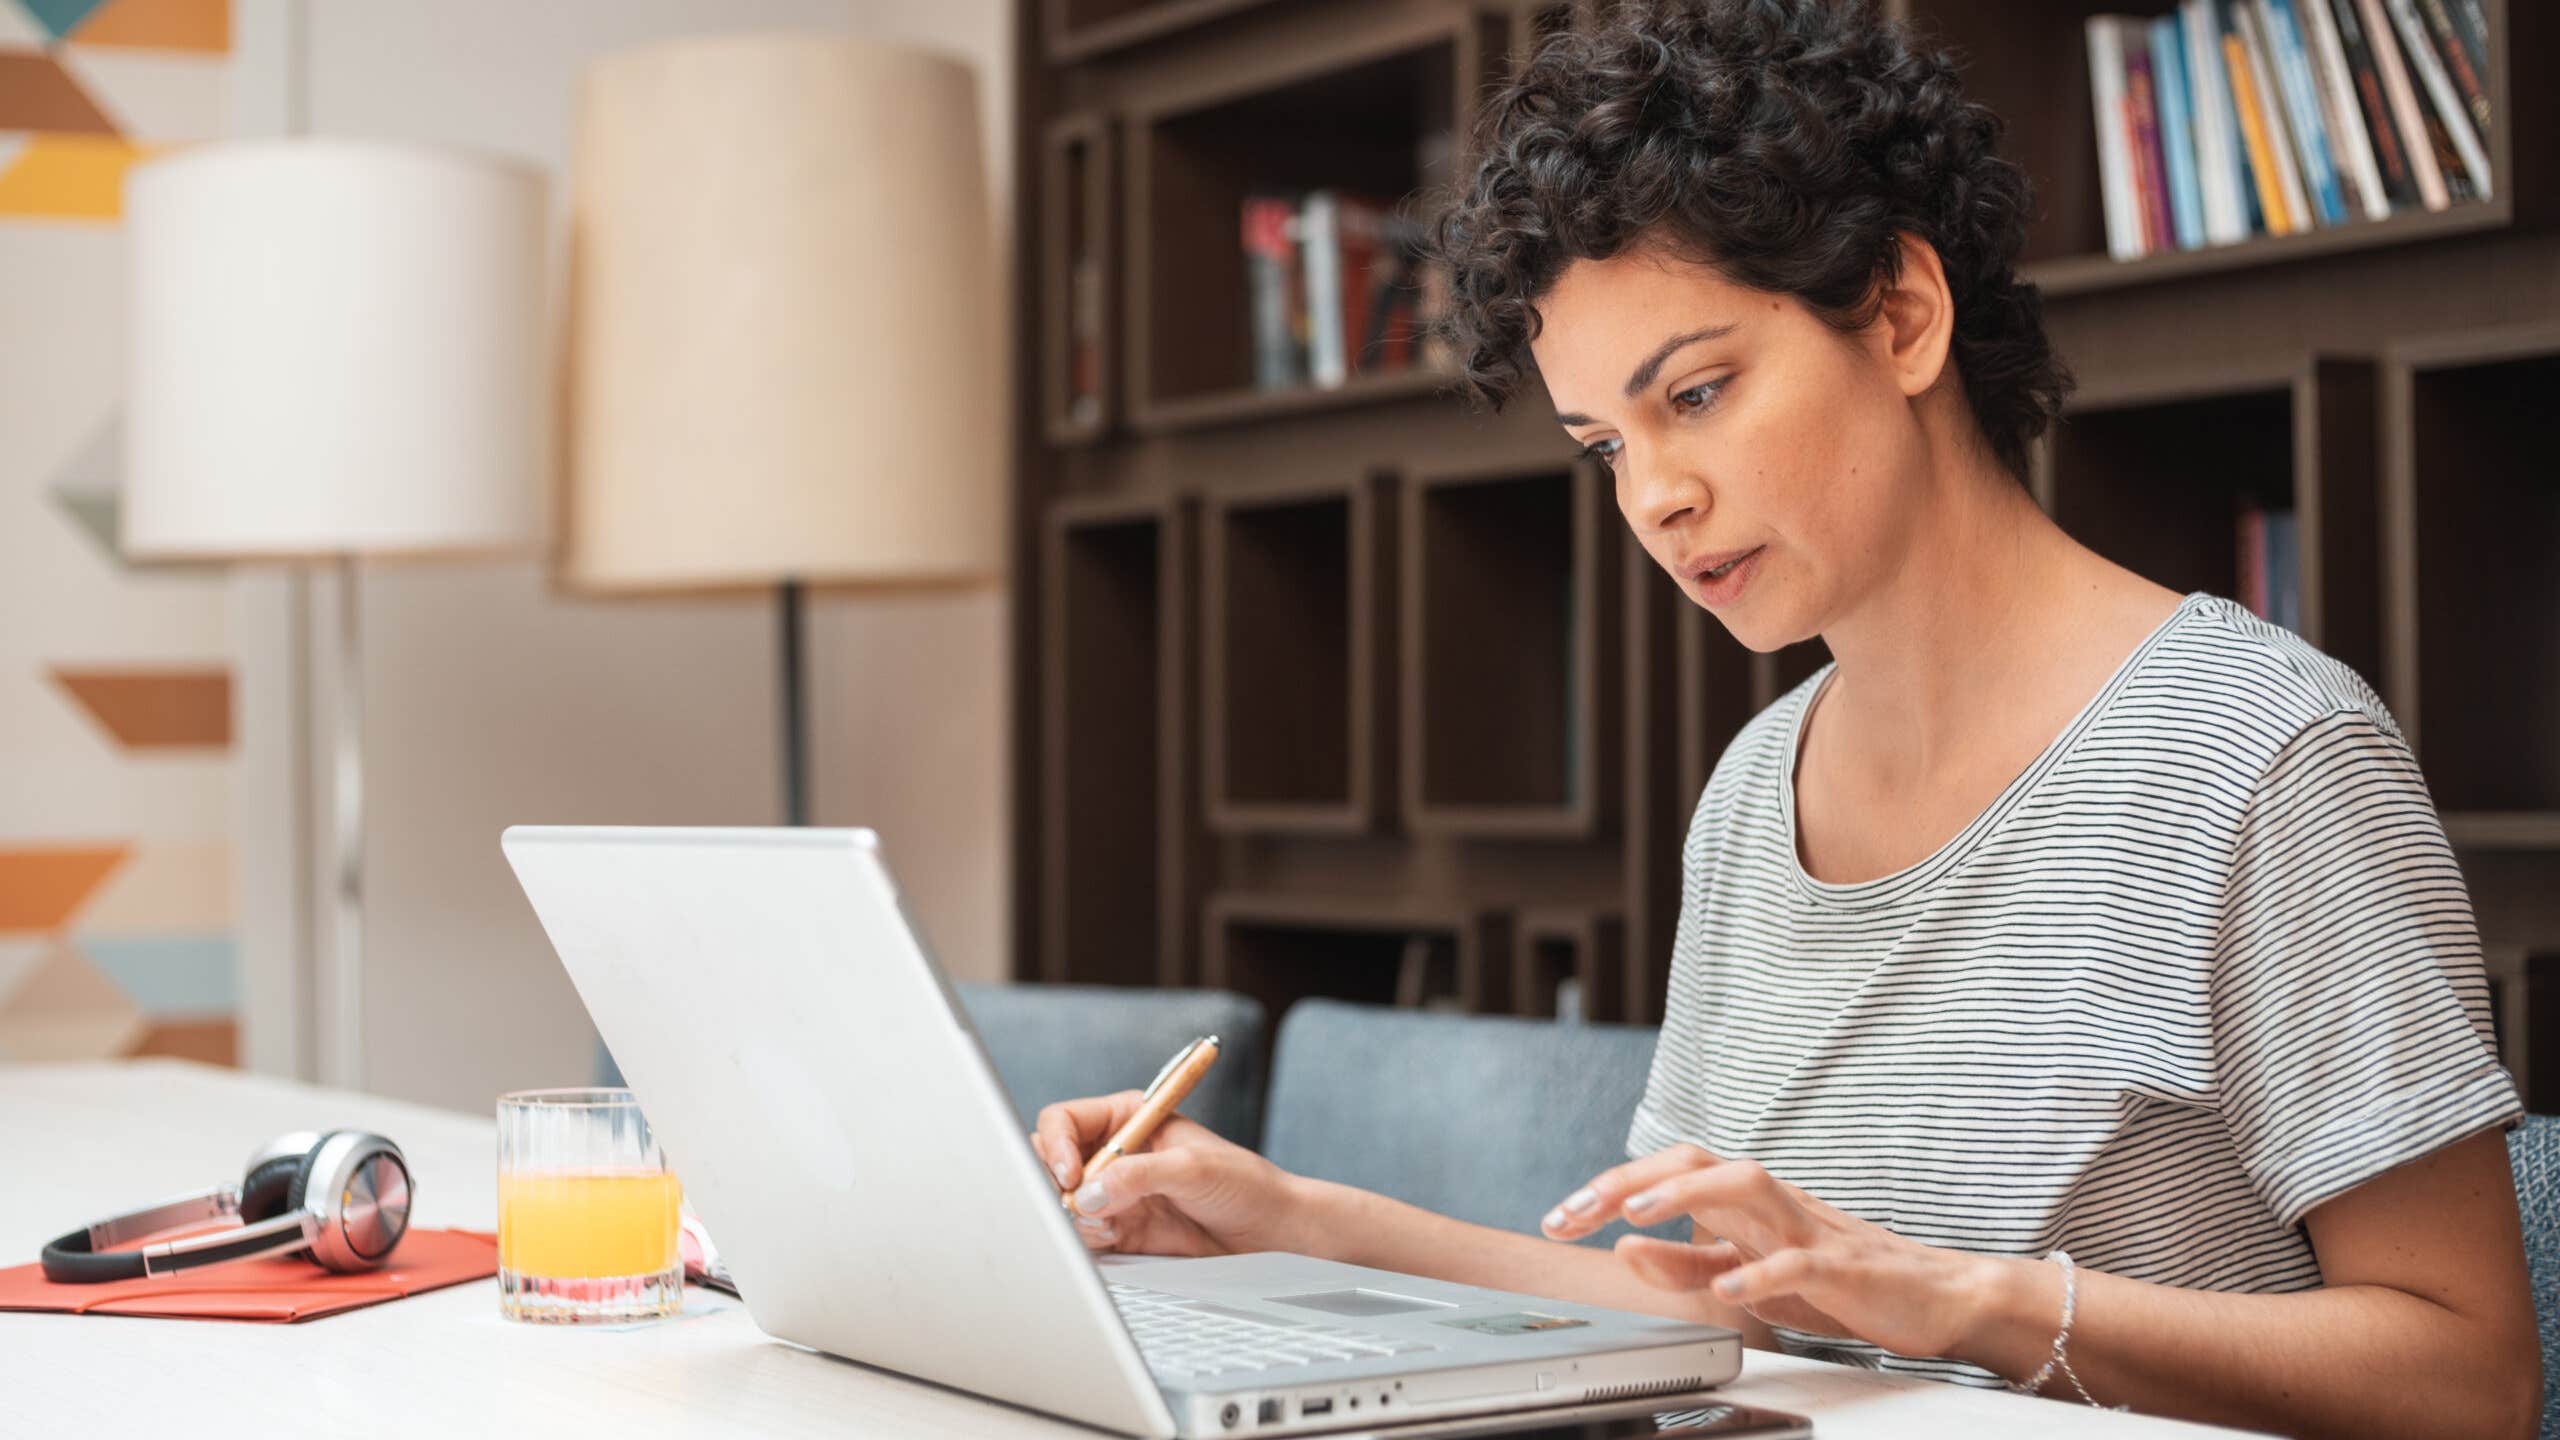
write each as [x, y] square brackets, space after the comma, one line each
[1162, 1096]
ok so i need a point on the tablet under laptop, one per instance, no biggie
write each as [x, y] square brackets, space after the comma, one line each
[838, 1126]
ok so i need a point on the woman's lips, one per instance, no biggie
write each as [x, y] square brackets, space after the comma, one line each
[1716, 590]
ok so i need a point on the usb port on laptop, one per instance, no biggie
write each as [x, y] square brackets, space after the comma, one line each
[1315, 1407]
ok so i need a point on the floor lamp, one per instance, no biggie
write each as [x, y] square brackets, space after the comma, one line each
[783, 361]
[337, 352]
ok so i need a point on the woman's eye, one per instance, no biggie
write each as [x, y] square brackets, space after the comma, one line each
[1604, 451]
[1696, 397]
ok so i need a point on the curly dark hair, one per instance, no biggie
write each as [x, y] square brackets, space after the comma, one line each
[1783, 142]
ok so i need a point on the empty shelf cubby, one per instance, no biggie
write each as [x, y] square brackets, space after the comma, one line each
[1587, 948]
[1280, 949]
[1079, 285]
[1117, 849]
[1509, 618]
[2473, 506]
[1297, 682]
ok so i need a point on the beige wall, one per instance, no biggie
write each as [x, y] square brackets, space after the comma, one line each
[491, 701]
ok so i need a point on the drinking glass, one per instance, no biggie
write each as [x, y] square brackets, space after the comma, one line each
[587, 1210]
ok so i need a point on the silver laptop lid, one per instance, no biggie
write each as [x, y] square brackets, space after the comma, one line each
[830, 1112]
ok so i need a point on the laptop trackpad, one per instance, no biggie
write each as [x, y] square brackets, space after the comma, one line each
[1359, 1302]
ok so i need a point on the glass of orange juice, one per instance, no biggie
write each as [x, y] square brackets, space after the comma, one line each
[587, 1210]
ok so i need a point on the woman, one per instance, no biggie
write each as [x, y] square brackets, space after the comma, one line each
[2060, 913]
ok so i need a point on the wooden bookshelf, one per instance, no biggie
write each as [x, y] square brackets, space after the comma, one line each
[1346, 691]
[2029, 63]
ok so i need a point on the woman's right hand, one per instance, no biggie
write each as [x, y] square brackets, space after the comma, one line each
[1188, 1192]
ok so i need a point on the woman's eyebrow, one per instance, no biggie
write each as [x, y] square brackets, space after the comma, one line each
[1652, 366]
[1653, 363]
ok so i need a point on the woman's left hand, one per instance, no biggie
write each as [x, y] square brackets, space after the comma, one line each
[1780, 1253]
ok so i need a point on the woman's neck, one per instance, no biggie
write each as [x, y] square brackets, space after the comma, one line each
[1986, 602]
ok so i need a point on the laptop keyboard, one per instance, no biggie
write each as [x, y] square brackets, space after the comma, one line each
[1182, 1340]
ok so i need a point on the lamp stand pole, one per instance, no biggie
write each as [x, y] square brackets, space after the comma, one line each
[344, 1061]
[795, 722]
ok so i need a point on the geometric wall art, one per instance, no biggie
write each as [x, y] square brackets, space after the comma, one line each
[117, 935]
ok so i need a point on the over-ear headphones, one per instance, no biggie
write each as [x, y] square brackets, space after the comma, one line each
[341, 1195]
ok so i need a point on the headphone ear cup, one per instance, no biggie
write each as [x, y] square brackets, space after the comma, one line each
[263, 1194]
[295, 1193]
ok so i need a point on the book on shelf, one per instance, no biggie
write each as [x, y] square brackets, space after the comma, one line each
[2290, 59]
[1084, 339]
[2105, 36]
[2284, 157]
[2451, 117]
[2368, 194]
[1273, 290]
[1335, 286]
[2226, 119]
[2270, 565]
[2176, 109]
[2142, 107]
[2221, 167]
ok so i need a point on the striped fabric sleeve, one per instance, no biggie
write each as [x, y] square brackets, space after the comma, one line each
[2349, 1011]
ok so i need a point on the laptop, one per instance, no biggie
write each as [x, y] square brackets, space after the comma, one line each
[838, 1126]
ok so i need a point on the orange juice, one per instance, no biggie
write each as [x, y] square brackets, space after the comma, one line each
[588, 1224]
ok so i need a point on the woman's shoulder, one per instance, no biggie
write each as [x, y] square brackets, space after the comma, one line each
[2223, 662]
[2241, 693]
[2223, 708]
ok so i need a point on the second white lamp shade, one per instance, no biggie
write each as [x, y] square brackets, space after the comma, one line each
[782, 321]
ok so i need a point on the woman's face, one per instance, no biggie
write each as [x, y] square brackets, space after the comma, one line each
[1772, 465]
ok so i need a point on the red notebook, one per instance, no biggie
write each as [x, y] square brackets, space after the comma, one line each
[284, 1289]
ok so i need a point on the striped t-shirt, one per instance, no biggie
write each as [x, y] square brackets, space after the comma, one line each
[2206, 963]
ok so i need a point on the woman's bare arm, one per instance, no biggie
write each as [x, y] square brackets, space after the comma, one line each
[1361, 1228]
[2424, 1324]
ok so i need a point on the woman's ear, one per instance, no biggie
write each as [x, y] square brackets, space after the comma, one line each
[1916, 316]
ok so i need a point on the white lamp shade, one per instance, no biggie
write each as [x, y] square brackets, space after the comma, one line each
[337, 348]
[782, 321]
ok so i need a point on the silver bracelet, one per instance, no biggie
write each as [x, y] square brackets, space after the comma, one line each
[2061, 1338]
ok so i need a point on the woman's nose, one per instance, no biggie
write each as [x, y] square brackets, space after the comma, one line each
[1667, 493]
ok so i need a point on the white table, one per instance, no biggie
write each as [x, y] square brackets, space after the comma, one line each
[78, 1142]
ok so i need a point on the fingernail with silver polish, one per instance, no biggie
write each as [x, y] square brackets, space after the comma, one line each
[1555, 1219]
[1640, 1202]
[1581, 1200]
[1091, 1197]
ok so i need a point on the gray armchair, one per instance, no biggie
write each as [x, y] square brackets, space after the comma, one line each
[1488, 1119]
[2534, 1151]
